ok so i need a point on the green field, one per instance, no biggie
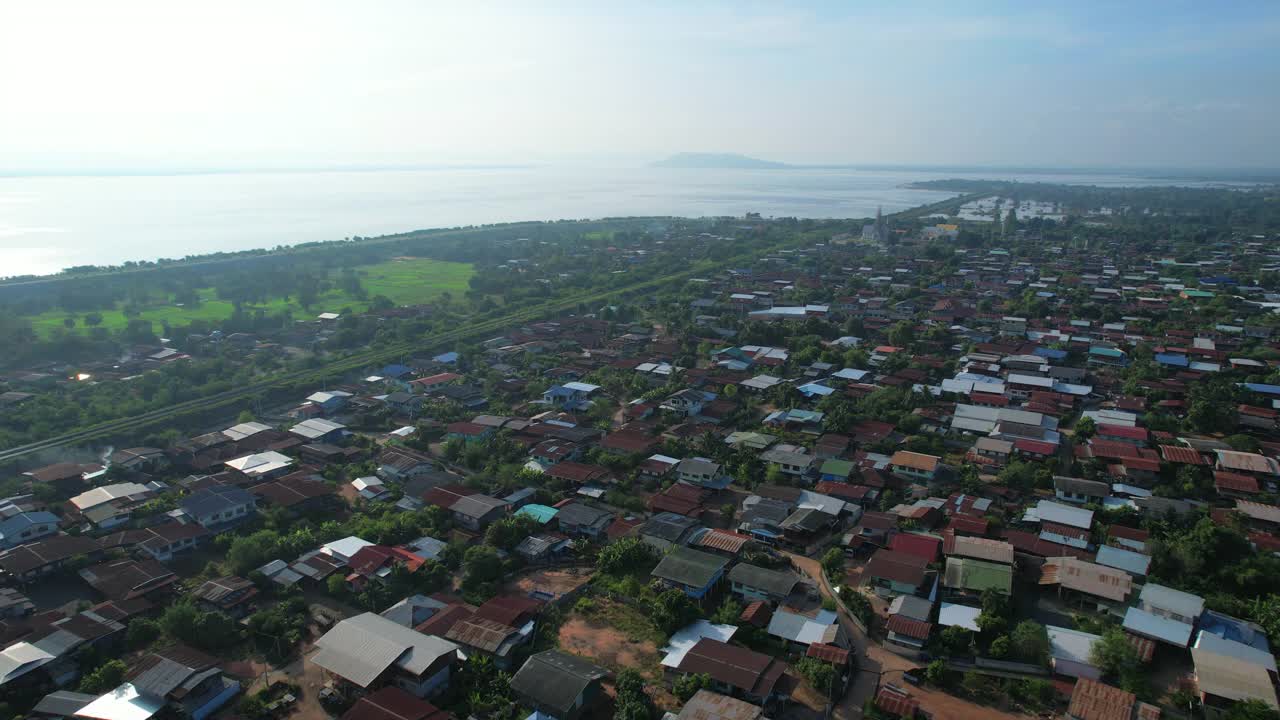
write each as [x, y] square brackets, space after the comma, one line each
[406, 281]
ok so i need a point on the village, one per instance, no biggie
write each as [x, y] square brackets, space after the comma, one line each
[883, 474]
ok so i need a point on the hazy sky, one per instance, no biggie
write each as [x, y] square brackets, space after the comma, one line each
[275, 82]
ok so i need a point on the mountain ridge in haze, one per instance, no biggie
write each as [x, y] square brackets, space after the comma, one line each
[717, 160]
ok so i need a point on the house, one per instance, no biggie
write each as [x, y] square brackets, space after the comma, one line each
[468, 432]
[330, 401]
[1069, 653]
[231, 594]
[736, 671]
[1164, 614]
[686, 403]
[1080, 491]
[667, 530]
[368, 651]
[890, 572]
[18, 527]
[319, 430]
[908, 627]
[692, 571]
[582, 520]
[751, 583]
[1092, 700]
[188, 682]
[163, 541]
[60, 705]
[139, 459]
[477, 512]
[370, 488]
[973, 577]
[789, 462]
[399, 464]
[924, 546]
[708, 705]
[915, 466]
[392, 703]
[701, 472]
[558, 685]
[1223, 679]
[128, 579]
[799, 631]
[681, 498]
[219, 507]
[25, 563]
[262, 466]
[570, 396]
[1106, 585]
[298, 492]
[108, 506]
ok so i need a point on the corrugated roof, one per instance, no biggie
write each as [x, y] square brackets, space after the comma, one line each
[1095, 701]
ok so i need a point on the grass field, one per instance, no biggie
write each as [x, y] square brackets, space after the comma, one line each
[406, 281]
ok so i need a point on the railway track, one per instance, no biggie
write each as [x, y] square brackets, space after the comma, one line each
[382, 355]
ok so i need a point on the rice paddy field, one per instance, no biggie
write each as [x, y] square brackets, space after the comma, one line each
[406, 281]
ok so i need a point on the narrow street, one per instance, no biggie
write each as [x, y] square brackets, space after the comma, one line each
[876, 665]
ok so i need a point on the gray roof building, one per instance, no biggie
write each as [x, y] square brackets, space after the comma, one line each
[361, 648]
[778, 583]
[555, 682]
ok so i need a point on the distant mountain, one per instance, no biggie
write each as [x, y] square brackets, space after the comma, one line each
[717, 160]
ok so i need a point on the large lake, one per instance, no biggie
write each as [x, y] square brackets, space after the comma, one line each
[49, 223]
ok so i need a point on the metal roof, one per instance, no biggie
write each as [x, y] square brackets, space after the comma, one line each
[360, 648]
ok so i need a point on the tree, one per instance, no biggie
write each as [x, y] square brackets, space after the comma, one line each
[480, 565]
[1251, 710]
[821, 675]
[955, 641]
[1085, 428]
[626, 556]
[673, 610]
[689, 685]
[142, 632]
[632, 702]
[106, 676]
[833, 564]
[727, 512]
[902, 334]
[1029, 643]
[1114, 655]
[728, 613]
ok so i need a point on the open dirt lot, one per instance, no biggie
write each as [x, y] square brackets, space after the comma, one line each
[556, 581]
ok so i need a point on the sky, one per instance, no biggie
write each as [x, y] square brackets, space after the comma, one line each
[138, 84]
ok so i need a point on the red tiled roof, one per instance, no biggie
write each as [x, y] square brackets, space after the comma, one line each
[1140, 463]
[1035, 447]
[844, 491]
[1111, 449]
[967, 525]
[1128, 533]
[738, 667]
[757, 613]
[467, 428]
[392, 703]
[576, 472]
[723, 540]
[1122, 431]
[903, 625]
[837, 656]
[922, 546]
[1095, 701]
[897, 566]
[896, 702]
[1236, 482]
